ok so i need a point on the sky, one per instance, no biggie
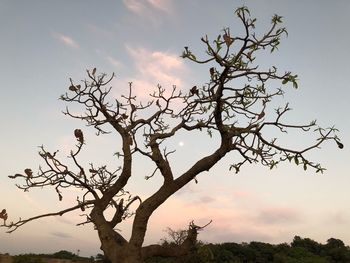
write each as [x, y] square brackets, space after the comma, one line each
[44, 43]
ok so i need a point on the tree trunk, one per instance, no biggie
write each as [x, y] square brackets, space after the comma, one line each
[118, 250]
[117, 253]
[114, 246]
[126, 253]
[123, 254]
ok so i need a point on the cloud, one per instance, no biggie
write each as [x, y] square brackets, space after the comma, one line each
[219, 234]
[164, 5]
[66, 40]
[206, 199]
[338, 218]
[113, 61]
[275, 215]
[243, 224]
[250, 218]
[135, 6]
[153, 11]
[60, 234]
[144, 7]
[153, 68]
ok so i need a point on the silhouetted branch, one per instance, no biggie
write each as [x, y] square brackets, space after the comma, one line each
[14, 225]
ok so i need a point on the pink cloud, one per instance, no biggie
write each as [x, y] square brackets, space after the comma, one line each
[66, 40]
[177, 213]
[153, 68]
[256, 220]
[164, 5]
[144, 7]
[275, 215]
[135, 6]
[151, 11]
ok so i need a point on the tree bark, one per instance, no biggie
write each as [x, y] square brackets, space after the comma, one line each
[119, 250]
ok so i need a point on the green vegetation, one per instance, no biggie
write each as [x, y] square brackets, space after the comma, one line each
[27, 258]
[39, 258]
[303, 250]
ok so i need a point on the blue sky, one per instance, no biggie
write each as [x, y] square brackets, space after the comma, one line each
[44, 43]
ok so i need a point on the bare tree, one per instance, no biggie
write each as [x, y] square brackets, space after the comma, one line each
[178, 237]
[233, 113]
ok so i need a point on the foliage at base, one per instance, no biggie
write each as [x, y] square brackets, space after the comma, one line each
[300, 250]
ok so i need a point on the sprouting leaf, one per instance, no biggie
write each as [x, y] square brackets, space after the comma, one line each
[273, 164]
[319, 169]
[312, 123]
[192, 56]
[295, 84]
[296, 160]
[235, 166]
[210, 133]
[277, 19]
